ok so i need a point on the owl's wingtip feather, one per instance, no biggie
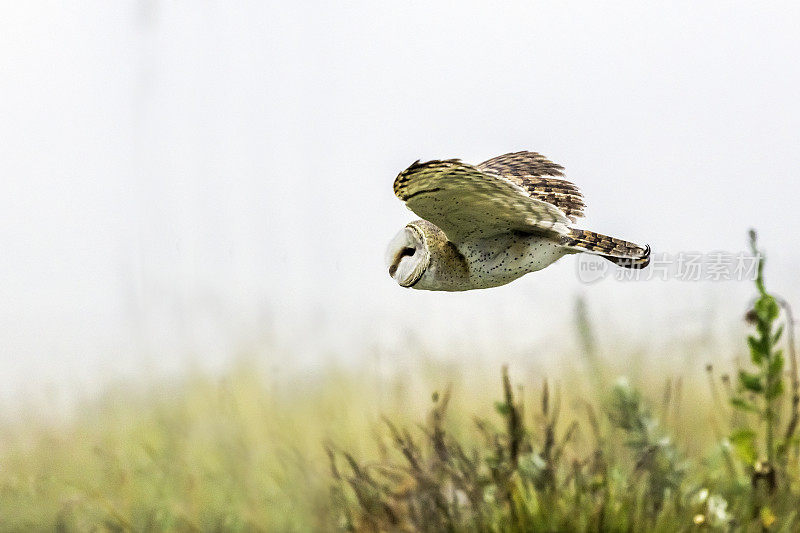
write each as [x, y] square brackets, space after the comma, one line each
[635, 263]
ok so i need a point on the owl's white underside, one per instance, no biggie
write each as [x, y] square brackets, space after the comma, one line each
[495, 261]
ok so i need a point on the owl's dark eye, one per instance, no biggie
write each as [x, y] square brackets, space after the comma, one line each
[405, 252]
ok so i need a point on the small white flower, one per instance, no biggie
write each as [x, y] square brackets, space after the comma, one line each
[701, 496]
[718, 510]
[538, 462]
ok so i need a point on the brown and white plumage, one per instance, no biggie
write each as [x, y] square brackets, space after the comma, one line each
[489, 224]
[467, 202]
[540, 177]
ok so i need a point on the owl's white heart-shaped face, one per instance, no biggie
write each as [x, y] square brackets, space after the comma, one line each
[407, 257]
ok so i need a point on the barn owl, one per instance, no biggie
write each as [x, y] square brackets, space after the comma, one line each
[486, 225]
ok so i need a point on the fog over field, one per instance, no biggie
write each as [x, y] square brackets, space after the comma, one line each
[181, 182]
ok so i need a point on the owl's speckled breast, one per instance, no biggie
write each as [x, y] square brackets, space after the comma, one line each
[481, 263]
[503, 258]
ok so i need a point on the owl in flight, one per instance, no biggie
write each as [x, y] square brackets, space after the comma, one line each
[486, 225]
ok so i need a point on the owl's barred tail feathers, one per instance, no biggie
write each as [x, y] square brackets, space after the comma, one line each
[621, 253]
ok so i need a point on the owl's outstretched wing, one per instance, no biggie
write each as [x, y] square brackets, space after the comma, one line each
[467, 203]
[540, 177]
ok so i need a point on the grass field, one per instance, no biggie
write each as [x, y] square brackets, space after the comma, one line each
[447, 449]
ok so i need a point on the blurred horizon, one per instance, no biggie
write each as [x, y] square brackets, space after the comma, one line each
[185, 182]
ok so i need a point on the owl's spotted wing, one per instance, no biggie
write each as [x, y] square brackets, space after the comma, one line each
[540, 177]
[467, 203]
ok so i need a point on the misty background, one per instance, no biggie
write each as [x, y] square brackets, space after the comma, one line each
[182, 182]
